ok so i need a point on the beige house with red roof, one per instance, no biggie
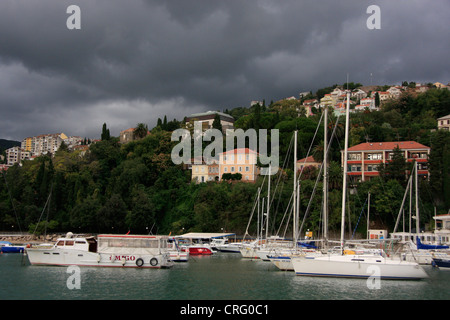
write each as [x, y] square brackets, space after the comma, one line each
[241, 160]
[364, 159]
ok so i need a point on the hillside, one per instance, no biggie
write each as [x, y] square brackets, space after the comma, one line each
[6, 144]
[136, 187]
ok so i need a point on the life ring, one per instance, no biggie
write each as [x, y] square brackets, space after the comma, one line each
[154, 262]
[139, 262]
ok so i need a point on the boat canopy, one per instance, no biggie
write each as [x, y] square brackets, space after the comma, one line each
[200, 235]
[420, 245]
[130, 244]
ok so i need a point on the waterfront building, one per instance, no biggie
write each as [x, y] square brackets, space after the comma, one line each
[364, 158]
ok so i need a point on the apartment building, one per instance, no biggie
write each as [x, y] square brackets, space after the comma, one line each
[363, 159]
[15, 155]
[45, 143]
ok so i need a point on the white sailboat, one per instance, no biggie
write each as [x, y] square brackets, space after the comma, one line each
[282, 259]
[355, 265]
[422, 247]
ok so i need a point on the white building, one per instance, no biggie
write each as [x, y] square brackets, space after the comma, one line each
[15, 155]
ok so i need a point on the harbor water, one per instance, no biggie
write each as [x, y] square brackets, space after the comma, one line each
[222, 276]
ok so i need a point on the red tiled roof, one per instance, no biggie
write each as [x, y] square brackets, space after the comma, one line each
[308, 159]
[387, 146]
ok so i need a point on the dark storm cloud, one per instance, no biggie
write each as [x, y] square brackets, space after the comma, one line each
[135, 61]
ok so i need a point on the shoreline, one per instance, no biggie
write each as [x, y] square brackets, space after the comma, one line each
[26, 239]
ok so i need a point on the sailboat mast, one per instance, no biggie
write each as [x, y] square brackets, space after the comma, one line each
[294, 206]
[417, 203]
[268, 204]
[325, 176]
[344, 184]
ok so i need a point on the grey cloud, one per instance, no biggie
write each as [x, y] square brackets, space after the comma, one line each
[157, 57]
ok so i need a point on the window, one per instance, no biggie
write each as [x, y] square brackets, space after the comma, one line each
[240, 169]
[247, 169]
[354, 156]
[232, 169]
[375, 156]
[225, 169]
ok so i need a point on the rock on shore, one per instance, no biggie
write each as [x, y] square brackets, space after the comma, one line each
[16, 239]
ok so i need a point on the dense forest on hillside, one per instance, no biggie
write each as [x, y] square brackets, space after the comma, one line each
[136, 187]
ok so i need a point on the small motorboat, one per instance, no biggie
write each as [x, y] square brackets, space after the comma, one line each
[441, 263]
[8, 247]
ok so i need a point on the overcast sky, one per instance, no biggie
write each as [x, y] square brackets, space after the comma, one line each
[135, 61]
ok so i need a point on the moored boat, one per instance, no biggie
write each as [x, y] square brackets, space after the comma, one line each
[104, 251]
[8, 247]
[443, 264]
[223, 245]
[355, 265]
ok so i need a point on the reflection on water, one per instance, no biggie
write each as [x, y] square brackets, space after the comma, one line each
[219, 277]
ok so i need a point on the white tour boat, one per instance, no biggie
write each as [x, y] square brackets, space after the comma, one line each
[141, 251]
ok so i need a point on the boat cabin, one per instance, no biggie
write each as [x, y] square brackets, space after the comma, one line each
[440, 236]
[77, 243]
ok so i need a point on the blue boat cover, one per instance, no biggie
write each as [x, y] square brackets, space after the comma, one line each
[420, 245]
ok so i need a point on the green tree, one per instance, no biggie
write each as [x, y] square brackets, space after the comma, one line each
[140, 131]
[377, 99]
[111, 217]
[216, 123]
[105, 133]
[396, 168]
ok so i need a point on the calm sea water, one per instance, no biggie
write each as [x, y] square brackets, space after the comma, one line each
[223, 276]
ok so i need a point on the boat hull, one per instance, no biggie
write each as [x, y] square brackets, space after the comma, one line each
[12, 249]
[442, 263]
[357, 267]
[60, 257]
[179, 256]
[283, 263]
[199, 251]
[249, 252]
